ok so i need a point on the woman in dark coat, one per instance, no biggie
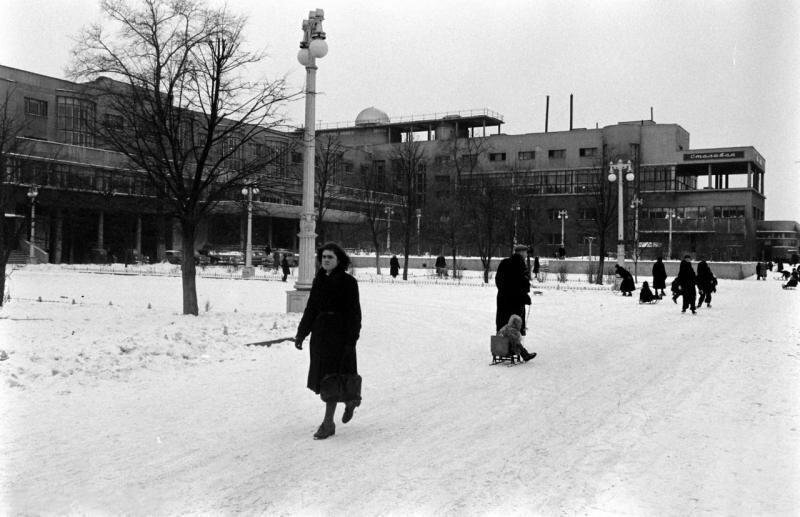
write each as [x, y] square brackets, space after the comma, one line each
[626, 286]
[333, 318]
[285, 268]
[513, 283]
[659, 276]
[706, 283]
[687, 280]
[394, 266]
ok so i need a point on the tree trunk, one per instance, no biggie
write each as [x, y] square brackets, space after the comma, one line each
[2, 282]
[188, 269]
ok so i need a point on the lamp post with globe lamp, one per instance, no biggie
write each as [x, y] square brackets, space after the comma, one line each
[248, 271]
[312, 47]
[562, 214]
[613, 171]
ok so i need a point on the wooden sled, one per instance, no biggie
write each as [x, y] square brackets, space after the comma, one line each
[502, 353]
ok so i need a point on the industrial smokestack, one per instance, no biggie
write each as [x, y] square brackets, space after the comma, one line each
[546, 113]
[651, 113]
[570, 112]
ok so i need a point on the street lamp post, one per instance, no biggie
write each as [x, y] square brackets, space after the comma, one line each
[515, 208]
[32, 193]
[389, 212]
[419, 216]
[670, 216]
[615, 170]
[562, 214]
[635, 204]
[590, 239]
[248, 254]
[312, 46]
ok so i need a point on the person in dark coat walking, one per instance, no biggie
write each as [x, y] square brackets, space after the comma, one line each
[441, 266]
[536, 267]
[706, 283]
[687, 281]
[760, 271]
[394, 266]
[626, 286]
[285, 268]
[333, 318]
[513, 283]
[659, 276]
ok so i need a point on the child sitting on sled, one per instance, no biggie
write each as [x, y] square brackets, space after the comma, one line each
[512, 331]
[646, 295]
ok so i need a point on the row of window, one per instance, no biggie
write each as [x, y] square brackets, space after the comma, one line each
[693, 212]
[552, 154]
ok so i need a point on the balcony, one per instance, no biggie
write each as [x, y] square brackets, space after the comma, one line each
[715, 225]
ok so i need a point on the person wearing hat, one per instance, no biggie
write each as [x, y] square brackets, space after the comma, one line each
[513, 283]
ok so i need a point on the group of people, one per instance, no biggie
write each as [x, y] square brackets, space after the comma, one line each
[687, 284]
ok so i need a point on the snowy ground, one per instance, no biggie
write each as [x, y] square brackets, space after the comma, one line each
[118, 404]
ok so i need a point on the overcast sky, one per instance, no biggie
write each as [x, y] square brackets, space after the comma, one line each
[726, 71]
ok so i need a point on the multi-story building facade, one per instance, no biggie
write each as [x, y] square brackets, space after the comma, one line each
[90, 204]
[707, 202]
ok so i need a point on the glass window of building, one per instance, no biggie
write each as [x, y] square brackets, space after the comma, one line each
[73, 120]
[526, 155]
[557, 154]
[35, 107]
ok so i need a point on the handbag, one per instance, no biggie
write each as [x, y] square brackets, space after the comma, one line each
[340, 387]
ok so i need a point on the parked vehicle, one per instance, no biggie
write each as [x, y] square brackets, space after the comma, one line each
[176, 257]
[291, 257]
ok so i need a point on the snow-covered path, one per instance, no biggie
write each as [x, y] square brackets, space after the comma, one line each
[628, 409]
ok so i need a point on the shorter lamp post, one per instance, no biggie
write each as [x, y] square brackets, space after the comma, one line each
[613, 171]
[389, 212]
[248, 254]
[635, 204]
[670, 216]
[32, 193]
[515, 208]
[419, 216]
[562, 214]
[590, 239]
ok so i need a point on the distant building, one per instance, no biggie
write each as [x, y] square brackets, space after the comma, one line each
[715, 196]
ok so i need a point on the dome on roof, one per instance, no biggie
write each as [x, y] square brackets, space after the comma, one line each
[371, 116]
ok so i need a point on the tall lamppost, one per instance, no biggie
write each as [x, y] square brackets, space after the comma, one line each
[389, 213]
[562, 214]
[248, 254]
[613, 171]
[670, 216]
[312, 47]
[590, 239]
[515, 208]
[635, 204]
[32, 193]
[419, 216]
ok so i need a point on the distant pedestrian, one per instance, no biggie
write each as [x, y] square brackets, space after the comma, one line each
[659, 276]
[687, 279]
[276, 260]
[626, 286]
[513, 283]
[285, 268]
[706, 283]
[792, 283]
[394, 266]
[536, 267]
[441, 266]
[676, 290]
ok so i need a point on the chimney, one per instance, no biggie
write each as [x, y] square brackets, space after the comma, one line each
[570, 112]
[651, 113]
[546, 113]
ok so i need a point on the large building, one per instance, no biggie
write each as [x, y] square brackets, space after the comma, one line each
[90, 203]
[707, 202]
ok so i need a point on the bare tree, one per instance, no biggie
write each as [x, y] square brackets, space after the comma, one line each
[12, 123]
[329, 158]
[409, 170]
[373, 205]
[486, 204]
[171, 75]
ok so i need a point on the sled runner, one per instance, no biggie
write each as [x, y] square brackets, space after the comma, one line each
[501, 351]
[271, 342]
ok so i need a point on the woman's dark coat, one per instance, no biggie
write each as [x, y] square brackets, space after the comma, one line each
[394, 266]
[706, 282]
[659, 275]
[513, 285]
[627, 285]
[333, 318]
